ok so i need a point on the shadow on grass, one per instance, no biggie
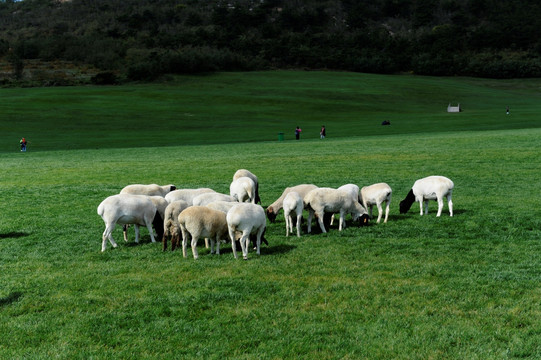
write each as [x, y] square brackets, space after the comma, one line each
[11, 298]
[265, 250]
[13, 234]
[431, 212]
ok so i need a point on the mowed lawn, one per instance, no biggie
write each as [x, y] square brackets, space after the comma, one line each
[256, 106]
[465, 287]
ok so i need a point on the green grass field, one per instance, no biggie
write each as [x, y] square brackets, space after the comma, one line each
[465, 287]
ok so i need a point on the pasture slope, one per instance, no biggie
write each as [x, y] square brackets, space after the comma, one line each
[465, 287]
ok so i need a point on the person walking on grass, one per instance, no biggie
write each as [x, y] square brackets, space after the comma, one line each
[298, 133]
[23, 144]
[322, 133]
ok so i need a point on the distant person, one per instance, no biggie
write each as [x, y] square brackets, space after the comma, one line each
[298, 133]
[507, 110]
[23, 144]
[322, 133]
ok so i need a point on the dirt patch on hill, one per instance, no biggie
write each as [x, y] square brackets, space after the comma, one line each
[47, 73]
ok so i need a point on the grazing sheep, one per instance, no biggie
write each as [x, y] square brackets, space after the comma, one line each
[129, 209]
[353, 190]
[207, 198]
[274, 208]
[186, 194]
[429, 188]
[328, 200]
[161, 204]
[171, 225]
[243, 172]
[201, 221]
[243, 189]
[293, 204]
[376, 194]
[150, 190]
[247, 219]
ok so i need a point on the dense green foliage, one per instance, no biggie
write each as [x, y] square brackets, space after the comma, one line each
[465, 287]
[141, 40]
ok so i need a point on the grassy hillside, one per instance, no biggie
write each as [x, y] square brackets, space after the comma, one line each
[246, 107]
[465, 287]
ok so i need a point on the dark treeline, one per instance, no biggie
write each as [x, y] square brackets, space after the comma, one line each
[144, 39]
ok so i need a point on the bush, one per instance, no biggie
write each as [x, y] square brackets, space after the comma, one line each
[104, 78]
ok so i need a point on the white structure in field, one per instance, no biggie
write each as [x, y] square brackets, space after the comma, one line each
[453, 109]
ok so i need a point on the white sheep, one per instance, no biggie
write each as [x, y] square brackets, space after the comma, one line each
[353, 190]
[293, 204]
[128, 209]
[376, 194]
[327, 200]
[161, 204]
[248, 219]
[224, 206]
[274, 208]
[243, 189]
[150, 190]
[429, 188]
[186, 194]
[243, 172]
[201, 221]
[171, 227]
[207, 198]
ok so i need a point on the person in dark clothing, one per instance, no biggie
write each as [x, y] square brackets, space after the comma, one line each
[298, 133]
[323, 133]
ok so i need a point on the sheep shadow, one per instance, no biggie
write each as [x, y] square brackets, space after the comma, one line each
[11, 298]
[265, 249]
[13, 234]
[431, 212]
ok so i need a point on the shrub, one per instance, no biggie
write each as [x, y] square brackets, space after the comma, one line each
[104, 78]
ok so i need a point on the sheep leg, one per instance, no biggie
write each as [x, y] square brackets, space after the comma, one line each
[125, 232]
[217, 245]
[184, 240]
[299, 220]
[440, 206]
[136, 233]
[342, 223]
[258, 242]
[450, 203]
[174, 242]
[150, 231]
[194, 246]
[107, 234]
[386, 212]
[244, 242]
[164, 241]
[380, 212]
[332, 219]
[288, 221]
[310, 216]
[206, 243]
[233, 246]
[320, 221]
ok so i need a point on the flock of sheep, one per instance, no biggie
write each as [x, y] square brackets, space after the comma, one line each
[192, 214]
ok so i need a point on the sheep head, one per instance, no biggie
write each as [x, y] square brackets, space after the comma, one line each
[271, 215]
[405, 204]
[364, 219]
